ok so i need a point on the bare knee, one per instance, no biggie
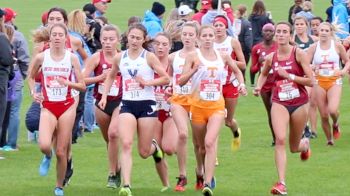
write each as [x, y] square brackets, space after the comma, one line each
[183, 136]
[168, 149]
[61, 153]
[126, 146]
[210, 144]
[113, 135]
[280, 141]
[144, 153]
[45, 147]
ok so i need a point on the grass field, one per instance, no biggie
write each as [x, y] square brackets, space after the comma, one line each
[250, 171]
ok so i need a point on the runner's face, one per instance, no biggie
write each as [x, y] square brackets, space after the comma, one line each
[282, 34]
[300, 26]
[109, 41]
[58, 37]
[324, 32]
[188, 36]
[55, 17]
[268, 34]
[135, 38]
[220, 28]
[314, 26]
[161, 46]
[207, 37]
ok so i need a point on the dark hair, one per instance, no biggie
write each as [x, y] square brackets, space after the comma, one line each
[317, 18]
[60, 10]
[259, 8]
[214, 4]
[134, 19]
[140, 27]
[286, 23]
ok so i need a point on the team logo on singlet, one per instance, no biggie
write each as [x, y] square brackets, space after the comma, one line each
[104, 66]
[126, 64]
[132, 73]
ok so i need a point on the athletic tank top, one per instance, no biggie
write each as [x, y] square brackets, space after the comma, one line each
[226, 48]
[115, 92]
[326, 61]
[129, 69]
[52, 70]
[161, 97]
[285, 91]
[207, 83]
[303, 45]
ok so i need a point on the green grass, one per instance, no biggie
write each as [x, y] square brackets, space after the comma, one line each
[250, 171]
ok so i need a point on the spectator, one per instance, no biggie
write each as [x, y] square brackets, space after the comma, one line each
[21, 53]
[206, 5]
[307, 11]
[329, 12]
[184, 12]
[44, 18]
[258, 19]
[89, 10]
[101, 7]
[208, 18]
[153, 19]
[245, 35]
[340, 17]
[6, 61]
[191, 3]
[294, 9]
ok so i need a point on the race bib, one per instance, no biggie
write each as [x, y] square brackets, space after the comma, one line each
[55, 90]
[113, 91]
[287, 90]
[210, 90]
[184, 90]
[133, 89]
[162, 104]
[326, 70]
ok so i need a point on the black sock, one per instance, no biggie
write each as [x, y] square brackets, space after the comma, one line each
[235, 133]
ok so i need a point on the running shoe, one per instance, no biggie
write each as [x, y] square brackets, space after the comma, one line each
[1, 157]
[199, 182]
[307, 132]
[111, 182]
[216, 161]
[330, 143]
[305, 155]
[44, 166]
[164, 189]
[59, 191]
[8, 148]
[236, 140]
[313, 135]
[118, 178]
[213, 182]
[181, 183]
[69, 172]
[158, 153]
[336, 131]
[207, 191]
[279, 189]
[125, 191]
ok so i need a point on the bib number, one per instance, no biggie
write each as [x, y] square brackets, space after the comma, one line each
[54, 89]
[287, 90]
[184, 90]
[113, 91]
[210, 90]
[133, 89]
[326, 70]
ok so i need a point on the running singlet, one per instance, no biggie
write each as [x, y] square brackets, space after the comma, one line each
[52, 90]
[161, 97]
[180, 94]
[226, 48]
[260, 51]
[129, 69]
[115, 92]
[326, 61]
[207, 83]
[303, 45]
[287, 92]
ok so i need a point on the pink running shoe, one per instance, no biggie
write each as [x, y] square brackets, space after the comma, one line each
[336, 131]
[279, 189]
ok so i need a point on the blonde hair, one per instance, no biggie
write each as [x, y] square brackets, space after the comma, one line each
[110, 27]
[173, 15]
[77, 21]
[203, 27]
[174, 29]
[41, 35]
[333, 29]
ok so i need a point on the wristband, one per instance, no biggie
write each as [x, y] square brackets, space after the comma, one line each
[291, 77]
